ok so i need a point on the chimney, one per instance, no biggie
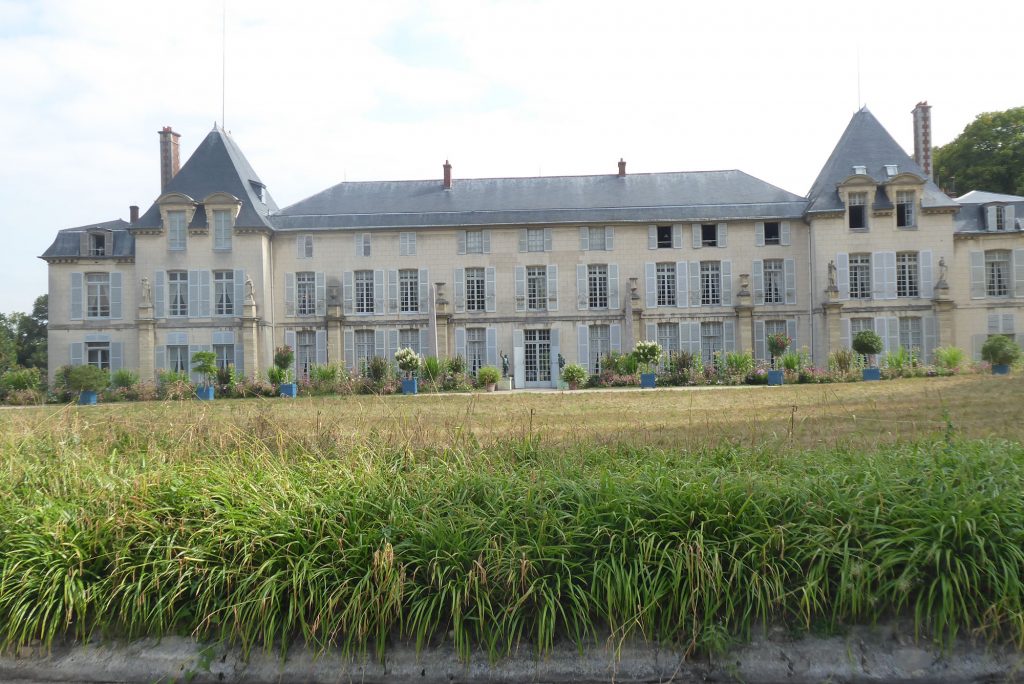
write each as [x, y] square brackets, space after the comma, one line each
[133, 214]
[622, 168]
[170, 160]
[447, 175]
[923, 137]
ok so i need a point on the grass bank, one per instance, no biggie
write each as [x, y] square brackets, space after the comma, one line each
[352, 523]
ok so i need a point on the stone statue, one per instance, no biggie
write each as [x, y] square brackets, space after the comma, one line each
[147, 292]
[942, 269]
[504, 365]
[250, 291]
[832, 275]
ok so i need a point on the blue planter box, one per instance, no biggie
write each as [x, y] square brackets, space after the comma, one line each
[87, 397]
[1000, 369]
[410, 386]
[871, 374]
[205, 393]
[648, 380]
[776, 377]
[288, 389]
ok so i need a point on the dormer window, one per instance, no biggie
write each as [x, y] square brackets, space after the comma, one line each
[176, 230]
[857, 210]
[905, 209]
[258, 188]
[860, 170]
[891, 170]
[97, 244]
[221, 229]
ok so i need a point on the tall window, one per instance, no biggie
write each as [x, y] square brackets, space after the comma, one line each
[224, 292]
[774, 283]
[177, 291]
[97, 244]
[905, 209]
[536, 288]
[221, 229]
[98, 354]
[364, 292]
[225, 355]
[710, 282]
[910, 333]
[476, 349]
[305, 293]
[600, 346]
[772, 234]
[597, 286]
[710, 340]
[363, 244]
[997, 272]
[97, 295]
[474, 242]
[596, 239]
[535, 240]
[537, 355]
[857, 210]
[364, 348]
[666, 276]
[475, 296]
[304, 247]
[305, 352]
[860, 276]
[409, 338]
[409, 290]
[907, 275]
[176, 230]
[668, 336]
[177, 358]
[1000, 217]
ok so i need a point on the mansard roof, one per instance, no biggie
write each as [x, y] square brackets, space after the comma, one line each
[68, 243]
[684, 196]
[865, 142]
[218, 165]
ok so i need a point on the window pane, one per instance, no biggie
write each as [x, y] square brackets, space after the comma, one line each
[710, 282]
[475, 299]
[666, 284]
[364, 291]
[597, 286]
[409, 290]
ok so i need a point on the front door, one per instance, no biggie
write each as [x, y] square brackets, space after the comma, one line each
[537, 358]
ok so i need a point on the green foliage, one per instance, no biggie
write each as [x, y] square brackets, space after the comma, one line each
[739, 364]
[574, 373]
[901, 360]
[284, 356]
[277, 375]
[432, 369]
[950, 358]
[88, 377]
[778, 343]
[842, 361]
[455, 365]
[646, 353]
[205, 363]
[226, 376]
[1000, 349]
[324, 375]
[488, 375]
[621, 364]
[792, 361]
[123, 377]
[868, 343]
[378, 370]
[408, 360]
[988, 155]
[20, 379]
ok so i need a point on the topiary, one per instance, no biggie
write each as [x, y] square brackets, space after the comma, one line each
[88, 378]
[868, 343]
[488, 375]
[1000, 350]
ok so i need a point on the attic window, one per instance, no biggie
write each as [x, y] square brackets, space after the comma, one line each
[97, 244]
[258, 189]
[891, 170]
[860, 170]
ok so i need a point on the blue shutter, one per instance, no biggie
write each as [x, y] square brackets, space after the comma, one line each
[844, 333]
[556, 372]
[379, 344]
[609, 238]
[757, 281]
[491, 336]
[520, 278]
[789, 276]
[584, 238]
[759, 234]
[347, 292]
[459, 290]
[425, 343]
[461, 238]
[651, 332]
[682, 280]
[522, 240]
[583, 346]
[239, 359]
[77, 296]
[378, 291]
[489, 290]
[289, 340]
[843, 274]
[349, 337]
[784, 234]
[115, 296]
[613, 286]
[204, 294]
[615, 337]
[193, 295]
[460, 342]
[652, 237]
[760, 345]
[392, 291]
[729, 335]
[677, 236]
[791, 330]
[486, 239]
[289, 294]
[320, 282]
[726, 283]
[553, 287]
[694, 283]
[722, 234]
[158, 294]
[651, 284]
[239, 297]
[696, 240]
[547, 239]
[424, 286]
[321, 347]
[116, 356]
[392, 344]
[518, 358]
[925, 264]
[77, 353]
[582, 296]
[978, 289]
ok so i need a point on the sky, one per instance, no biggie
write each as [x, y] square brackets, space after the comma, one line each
[316, 93]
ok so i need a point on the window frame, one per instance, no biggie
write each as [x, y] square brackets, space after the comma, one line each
[177, 230]
[908, 275]
[224, 292]
[225, 355]
[664, 237]
[599, 338]
[709, 235]
[408, 290]
[711, 283]
[911, 330]
[774, 273]
[177, 294]
[177, 358]
[857, 205]
[98, 354]
[535, 240]
[97, 244]
[97, 288]
[305, 293]
[362, 285]
[597, 239]
[597, 286]
[222, 230]
[536, 288]
[906, 202]
[363, 348]
[666, 288]
[476, 349]
[998, 272]
[474, 242]
[861, 283]
[476, 288]
[776, 227]
[710, 331]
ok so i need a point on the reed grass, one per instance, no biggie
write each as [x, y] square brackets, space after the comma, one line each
[239, 524]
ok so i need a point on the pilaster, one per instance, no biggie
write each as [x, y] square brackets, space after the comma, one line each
[250, 339]
[943, 306]
[146, 328]
[745, 316]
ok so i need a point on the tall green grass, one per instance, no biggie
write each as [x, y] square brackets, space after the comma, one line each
[502, 545]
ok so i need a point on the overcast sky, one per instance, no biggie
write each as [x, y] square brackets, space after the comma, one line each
[321, 92]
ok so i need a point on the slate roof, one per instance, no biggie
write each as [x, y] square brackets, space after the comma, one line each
[982, 197]
[69, 241]
[710, 195]
[218, 165]
[971, 216]
[865, 142]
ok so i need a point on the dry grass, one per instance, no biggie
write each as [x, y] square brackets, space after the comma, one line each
[857, 415]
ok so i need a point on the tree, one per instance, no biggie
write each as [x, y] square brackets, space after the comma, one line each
[8, 341]
[988, 155]
[31, 335]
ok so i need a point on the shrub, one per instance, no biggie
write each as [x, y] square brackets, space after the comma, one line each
[408, 361]
[378, 370]
[323, 375]
[432, 369]
[1000, 349]
[226, 377]
[488, 375]
[283, 357]
[680, 361]
[646, 353]
[18, 379]
[456, 365]
[620, 364]
[123, 377]
[868, 343]
[949, 358]
[87, 377]
[205, 364]
[574, 374]
[778, 343]
[739, 364]
[792, 361]
[842, 361]
[277, 375]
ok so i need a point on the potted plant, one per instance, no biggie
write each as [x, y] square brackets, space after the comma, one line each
[87, 380]
[778, 343]
[646, 353]
[409, 363]
[205, 363]
[283, 358]
[868, 343]
[574, 374]
[1001, 352]
[488, 377]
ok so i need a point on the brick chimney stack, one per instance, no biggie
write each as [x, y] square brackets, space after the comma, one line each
[170, 158]
[133, 214]
[447, 175]
[923, 137]
[622, 168]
